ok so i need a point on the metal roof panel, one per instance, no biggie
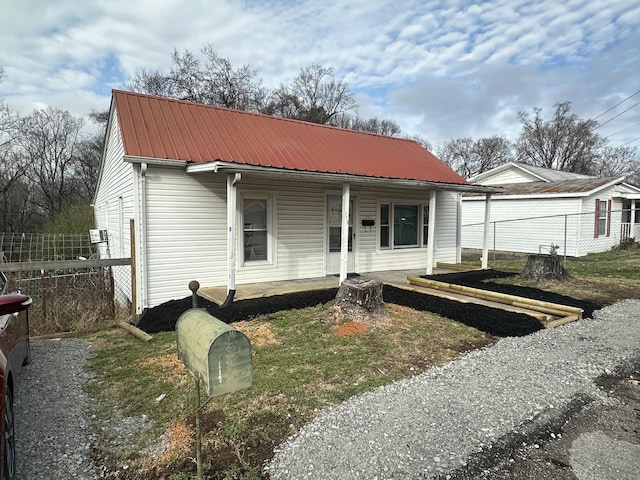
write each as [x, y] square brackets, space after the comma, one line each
[164, 128]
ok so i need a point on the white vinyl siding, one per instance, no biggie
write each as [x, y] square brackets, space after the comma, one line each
[186, 232]
[297, 234]
[532, 225]
[114, 206]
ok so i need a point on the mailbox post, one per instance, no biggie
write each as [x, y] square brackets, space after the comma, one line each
[217, 355]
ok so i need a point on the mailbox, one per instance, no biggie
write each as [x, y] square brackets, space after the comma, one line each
[217, 355]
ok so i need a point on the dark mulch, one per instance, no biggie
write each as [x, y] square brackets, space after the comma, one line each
[492, 321]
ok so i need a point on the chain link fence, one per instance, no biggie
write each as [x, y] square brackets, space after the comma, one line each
[573, 235]
[72, 289]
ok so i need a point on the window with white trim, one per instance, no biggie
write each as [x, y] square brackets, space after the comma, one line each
[603, 218]
[255, 230]
[403, 225]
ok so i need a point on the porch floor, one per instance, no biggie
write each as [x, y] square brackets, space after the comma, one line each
[268, 289]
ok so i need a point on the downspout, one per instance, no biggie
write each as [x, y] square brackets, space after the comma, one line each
[232, 200]
[143, 236]
[485, 236]
[431, 234]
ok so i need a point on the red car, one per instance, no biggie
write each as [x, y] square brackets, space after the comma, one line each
[14, 352]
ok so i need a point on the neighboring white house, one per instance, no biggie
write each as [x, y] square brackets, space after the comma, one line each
[540, 207]
[229, 197]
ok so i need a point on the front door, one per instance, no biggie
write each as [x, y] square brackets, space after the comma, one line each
[334, 232]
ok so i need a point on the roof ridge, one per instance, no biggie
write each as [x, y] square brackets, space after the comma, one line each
[256, 114]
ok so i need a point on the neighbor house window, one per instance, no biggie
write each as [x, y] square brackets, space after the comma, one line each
[255, 230]
[603, 213]
[403, 225]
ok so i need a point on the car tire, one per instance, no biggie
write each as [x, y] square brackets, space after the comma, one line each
[9, 438]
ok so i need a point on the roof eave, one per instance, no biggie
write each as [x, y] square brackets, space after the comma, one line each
[163, 162]
[227, 167]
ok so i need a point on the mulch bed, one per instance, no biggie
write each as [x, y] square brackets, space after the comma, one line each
[490, 320]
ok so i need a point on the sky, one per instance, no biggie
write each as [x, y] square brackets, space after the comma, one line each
[440, 69]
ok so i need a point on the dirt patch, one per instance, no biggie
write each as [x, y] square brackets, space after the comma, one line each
[259, 334]
[351, 329]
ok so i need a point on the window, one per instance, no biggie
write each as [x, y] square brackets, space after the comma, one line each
[255, 230]
[385, 229]
[425, 224]
[403, 225]
[603, 213]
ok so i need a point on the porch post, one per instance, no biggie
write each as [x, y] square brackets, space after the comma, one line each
[232, 206]
[459, 229]
[431, 234]
[344, 230]
[485, 236]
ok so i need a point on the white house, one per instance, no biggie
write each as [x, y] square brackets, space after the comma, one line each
[230, 197]
[540, 207]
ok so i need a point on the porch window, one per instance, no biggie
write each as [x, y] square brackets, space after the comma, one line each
[255, 230]
[425, 224]
[403, 225]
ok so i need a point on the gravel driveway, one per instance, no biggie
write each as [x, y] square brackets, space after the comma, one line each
[53, 436]
[438, 424]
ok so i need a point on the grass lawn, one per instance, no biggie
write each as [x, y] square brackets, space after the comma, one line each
[303, 361]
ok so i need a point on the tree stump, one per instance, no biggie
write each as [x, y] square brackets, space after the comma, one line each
[544, 267]
[358, 298]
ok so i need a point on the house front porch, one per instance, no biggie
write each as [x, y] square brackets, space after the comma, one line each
[269, 289]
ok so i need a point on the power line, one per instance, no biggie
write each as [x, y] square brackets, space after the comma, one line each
[623, 130]
[630, 141]
[619, 103]
[613, 118]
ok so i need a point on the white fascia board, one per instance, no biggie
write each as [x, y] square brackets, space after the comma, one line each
[163, 162]
[226, 167]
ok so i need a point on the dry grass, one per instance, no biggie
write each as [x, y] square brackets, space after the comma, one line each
[302, 363]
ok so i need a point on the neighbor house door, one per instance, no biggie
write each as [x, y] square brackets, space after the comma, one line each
[334, 232]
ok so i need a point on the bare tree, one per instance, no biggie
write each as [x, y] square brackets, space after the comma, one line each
[618, 162]
[87, 158]
[208, 79]
[315, 95]
[388, 128]
[49, 141]
[563, 143]
[471, 157]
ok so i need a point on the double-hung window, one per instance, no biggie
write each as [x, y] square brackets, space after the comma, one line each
[603, 218]
[403, 225]
[255, 220]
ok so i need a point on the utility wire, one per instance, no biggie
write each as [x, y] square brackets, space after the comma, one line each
[622, 101]
[613, 118]
[630, 141]
[623, 130]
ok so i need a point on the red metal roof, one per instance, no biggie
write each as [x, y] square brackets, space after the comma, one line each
[164, 128]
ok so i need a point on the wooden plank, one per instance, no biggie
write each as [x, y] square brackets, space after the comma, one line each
[562, 321]
[136, 332]
[496, 296]
[63, 264]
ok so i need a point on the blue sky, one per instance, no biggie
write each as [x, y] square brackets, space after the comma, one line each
[440, 69]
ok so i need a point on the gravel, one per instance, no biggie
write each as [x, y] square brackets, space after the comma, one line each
[432, 424]
[53, 432]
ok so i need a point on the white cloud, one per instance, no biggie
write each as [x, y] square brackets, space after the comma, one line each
[440, 71]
